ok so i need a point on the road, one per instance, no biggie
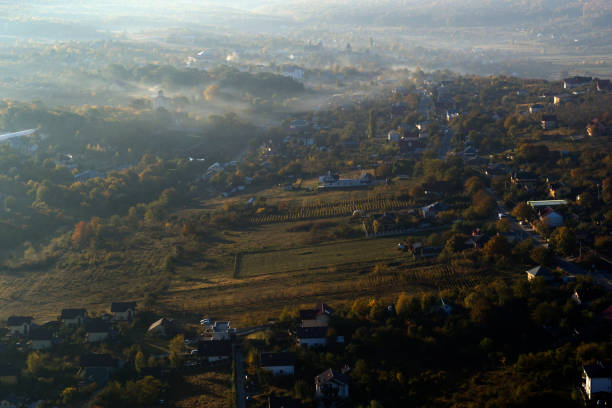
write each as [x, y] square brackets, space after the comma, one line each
[445, 143]
[240, 394]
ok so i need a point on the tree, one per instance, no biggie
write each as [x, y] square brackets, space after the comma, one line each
[455, 243]
[483, 204]
[371, 132]
[502, 225]
[497, 246]
[176, 347]
[563, 241]
[523, 211]
[474, 184]
[540, 255]
[9, 203]
[211, 92]
[80, 234]
[140, 361]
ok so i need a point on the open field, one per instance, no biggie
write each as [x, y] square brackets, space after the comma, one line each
[321, 256]
[207, 389]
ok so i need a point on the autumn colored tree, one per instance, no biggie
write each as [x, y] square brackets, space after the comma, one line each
[483, 204]
[497, 246]
[523, 211]
[80, 234]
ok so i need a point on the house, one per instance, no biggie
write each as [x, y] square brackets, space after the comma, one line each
[597, 381]
[331, 180]
[278, 363]
[222, 331]
[19, 324]
[393, 136]
[561, 99]
[431, 210]
[73, 317]
[549, 122]
[41, 339]
[160, 101]
[215, 350]
[331, 385]
[97, 330]
[524, 179]
[312, 336]
[123, 310]
[163, 327]
[478, 239]
[9, 375]
[597, 127]
[552, 218]
[558, 189]
[535, 108]
[603, 85]
[317, 317]
[539, 272]
[97, 368]
[576, 81]
[282, 402]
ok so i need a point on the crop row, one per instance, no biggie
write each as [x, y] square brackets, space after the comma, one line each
[336, 210]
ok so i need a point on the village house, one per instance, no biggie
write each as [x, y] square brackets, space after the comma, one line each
[524, 179]
[41, 339]
[161, 102]
[330, 180]
[535, 108]
[603, 85]
[431, 210]
[576, 81]
[549, 122]
[97, 330]
[552, 218]
[597, 127]
[215, 350]
[73, 317]
[282, 402]
[9, 375]
[597, 381]
[538, 272]
[123, 310]
[393, 136]
[331, 385]
[97, 368]
[162, 327]
[222, 331]
[312, 336]
[278, 363]
[317, 317]
[19, 324]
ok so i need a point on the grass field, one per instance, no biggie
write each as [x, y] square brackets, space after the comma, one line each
[208, 389]
[321, 256]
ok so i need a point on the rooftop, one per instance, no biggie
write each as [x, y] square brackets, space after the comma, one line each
[277, 359]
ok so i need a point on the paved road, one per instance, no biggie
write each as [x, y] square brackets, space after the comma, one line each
[240, 394]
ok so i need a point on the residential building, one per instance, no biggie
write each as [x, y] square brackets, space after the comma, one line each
[19, 324]
[312, 336]
[331, 385]
[123, 310]
[539, 272]
[97, 330]
[524, 179]
[278, 363]
[535, 108]
[73, 317]
[393, 136]
[549, 122]
[603, 85]
[160, 101]
[41, 339]
[282, 402]
[97, 368]
[596, 380]
[317, 317]
[552, 218]
[431, 210]
[163, 327]
[215, 350]
[576, 81]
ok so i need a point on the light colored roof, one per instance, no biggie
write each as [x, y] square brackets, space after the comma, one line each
[7, 136]
[546, 203]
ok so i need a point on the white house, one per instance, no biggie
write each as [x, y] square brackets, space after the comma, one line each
[278, 363]
[73, 317]
[41, 339]
[19, 324]
[331, 384]
[123, 310]
[596, 378]
[312, 336]
[97, 330]
[317, 317]
[221, 331]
